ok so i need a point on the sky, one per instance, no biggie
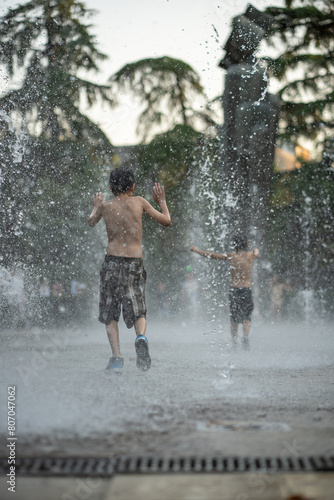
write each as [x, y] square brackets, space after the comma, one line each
[129, 30]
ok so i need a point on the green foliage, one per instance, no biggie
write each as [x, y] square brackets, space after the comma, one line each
[305, 63]
[48, 41]
[169, 90]
[301, 228]
[169, 156]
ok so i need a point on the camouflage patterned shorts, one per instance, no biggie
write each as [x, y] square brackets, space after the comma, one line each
[122, 285]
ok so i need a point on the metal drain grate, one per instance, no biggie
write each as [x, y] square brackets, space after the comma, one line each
[222, 464]
[106, 467]
[62, 466]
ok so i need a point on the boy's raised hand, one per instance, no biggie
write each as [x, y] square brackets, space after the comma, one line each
[159, 193]
[96, 214]
[98, 199]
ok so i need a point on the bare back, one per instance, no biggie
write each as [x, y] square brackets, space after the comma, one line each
[123, 220]
[241, 264]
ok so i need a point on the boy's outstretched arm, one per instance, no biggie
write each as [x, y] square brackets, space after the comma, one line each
[211, 255]
[96, 214]
[159, 197]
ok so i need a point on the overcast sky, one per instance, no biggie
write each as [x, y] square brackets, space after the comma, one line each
[128, 30]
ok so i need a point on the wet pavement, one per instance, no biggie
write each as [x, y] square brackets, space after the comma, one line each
[200, 397]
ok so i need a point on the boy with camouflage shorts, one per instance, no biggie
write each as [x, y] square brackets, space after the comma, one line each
[123, 277]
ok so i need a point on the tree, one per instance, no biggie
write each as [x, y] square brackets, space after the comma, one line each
[301, 236]
[48, 41]
[44, 188]
[305, 65]
[167, 89]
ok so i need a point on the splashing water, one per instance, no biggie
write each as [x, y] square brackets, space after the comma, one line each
[307, 294]
[18, 147]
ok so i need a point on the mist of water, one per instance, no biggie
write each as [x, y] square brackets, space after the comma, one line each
[65, 398]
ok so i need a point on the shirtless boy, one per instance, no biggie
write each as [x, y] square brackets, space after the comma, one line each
[240, 294]
[123, 277]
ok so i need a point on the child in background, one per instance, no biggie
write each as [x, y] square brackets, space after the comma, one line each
[240, 293]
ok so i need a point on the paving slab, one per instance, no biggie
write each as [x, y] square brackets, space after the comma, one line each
[252, 486]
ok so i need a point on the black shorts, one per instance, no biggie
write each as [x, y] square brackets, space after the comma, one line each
[122, 285]
[241, 304]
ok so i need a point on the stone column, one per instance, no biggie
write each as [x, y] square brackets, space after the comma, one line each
[249, 131]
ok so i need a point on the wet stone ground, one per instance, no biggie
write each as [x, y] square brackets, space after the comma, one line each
[199, 397]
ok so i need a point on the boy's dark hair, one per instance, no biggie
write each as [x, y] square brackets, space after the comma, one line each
[239, 242]
[121, 180]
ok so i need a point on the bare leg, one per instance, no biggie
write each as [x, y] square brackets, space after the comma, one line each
[246, 327]
[234, 332]
[140, 326]
[113, 336]
[245, 339]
